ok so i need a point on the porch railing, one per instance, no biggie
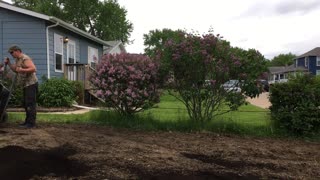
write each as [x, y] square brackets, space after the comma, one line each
[79, 72]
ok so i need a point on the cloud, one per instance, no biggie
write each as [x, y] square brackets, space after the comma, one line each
[297, 6]
[285, 7]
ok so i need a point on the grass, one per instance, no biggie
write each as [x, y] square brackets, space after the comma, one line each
[171, 115]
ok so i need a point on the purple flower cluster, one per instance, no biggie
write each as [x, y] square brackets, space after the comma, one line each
[126, 81]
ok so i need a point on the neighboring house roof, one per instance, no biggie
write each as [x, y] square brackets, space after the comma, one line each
[53, 20]
[284, 69]
[113, 45]
[313, 52]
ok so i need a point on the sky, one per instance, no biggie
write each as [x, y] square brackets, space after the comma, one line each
[272, 27]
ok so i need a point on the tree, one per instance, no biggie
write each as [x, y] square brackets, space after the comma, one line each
[103, 19]
[200, 65]
[282, 60]
[155, 44]
[155, 39]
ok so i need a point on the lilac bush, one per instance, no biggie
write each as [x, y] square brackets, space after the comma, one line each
[199, 66]
[127, 82]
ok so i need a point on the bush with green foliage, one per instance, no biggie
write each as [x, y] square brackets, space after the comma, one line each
[56, 92]
[199, 65]
[78, 91]
[296, 105]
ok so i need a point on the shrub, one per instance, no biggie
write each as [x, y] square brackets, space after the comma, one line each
[199, 65]
[78, 91]
[56, 92]
[16, 98]
[127, 82]
[296, 105]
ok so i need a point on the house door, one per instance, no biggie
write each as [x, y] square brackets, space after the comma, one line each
[72, 71]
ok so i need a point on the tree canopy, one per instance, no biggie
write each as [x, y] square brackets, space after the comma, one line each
[282, 60]
[103, 19]
[196, 67]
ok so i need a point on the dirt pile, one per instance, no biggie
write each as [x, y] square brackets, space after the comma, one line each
[53, 151]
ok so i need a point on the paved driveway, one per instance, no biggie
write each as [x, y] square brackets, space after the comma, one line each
[261, 101]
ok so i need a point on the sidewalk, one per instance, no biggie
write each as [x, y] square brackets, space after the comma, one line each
[261, 101]
[83, 109]
[75, 109]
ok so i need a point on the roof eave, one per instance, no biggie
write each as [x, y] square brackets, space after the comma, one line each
[52, 19]
[76, 30]
[23, 11]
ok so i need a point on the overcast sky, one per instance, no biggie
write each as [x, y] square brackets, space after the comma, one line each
[270, 26]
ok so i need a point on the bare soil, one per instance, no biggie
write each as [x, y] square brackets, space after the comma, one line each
[69, 151]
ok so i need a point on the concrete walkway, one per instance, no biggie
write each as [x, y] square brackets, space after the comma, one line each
[261, 101]
[82, 110]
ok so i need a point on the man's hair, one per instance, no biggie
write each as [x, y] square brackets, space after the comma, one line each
[14, 48]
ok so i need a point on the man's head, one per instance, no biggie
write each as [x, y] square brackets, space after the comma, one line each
[14, 50]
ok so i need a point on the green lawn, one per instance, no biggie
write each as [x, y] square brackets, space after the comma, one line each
[169, 114]
[248, 119]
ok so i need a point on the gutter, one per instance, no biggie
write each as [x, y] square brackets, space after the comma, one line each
[48, 56]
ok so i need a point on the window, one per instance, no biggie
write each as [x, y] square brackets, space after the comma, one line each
[71, 52]
[92, 56]
[318, 60]
[306, 61]
[58, 52]
[318, 72]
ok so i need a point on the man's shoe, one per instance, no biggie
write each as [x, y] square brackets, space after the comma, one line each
[28, 125]
[23, 124]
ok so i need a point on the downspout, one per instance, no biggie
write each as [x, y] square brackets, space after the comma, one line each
[48, 56]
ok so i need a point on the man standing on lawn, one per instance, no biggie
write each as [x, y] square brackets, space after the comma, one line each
[26, 76]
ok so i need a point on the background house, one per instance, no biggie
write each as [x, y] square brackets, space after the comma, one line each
[282, 73]
[309, 60]
[57, 48]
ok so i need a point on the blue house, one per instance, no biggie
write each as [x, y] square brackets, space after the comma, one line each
[57, 48]
[309, 60]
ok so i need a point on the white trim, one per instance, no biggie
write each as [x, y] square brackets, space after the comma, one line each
[306, 61]
[71, 72]
[48, 48]
[318, 61]
[56, 52]
[90, 58]
[74, 44]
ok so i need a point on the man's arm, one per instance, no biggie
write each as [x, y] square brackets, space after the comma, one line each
[29, 67]
[12, 66]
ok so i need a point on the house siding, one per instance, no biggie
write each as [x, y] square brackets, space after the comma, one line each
[81, 48]
[84, 50]
[26, 32]
[301, 62]
[30, 34]
[312, 64]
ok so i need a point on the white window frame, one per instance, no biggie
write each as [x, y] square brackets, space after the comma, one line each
[318, 72]
[93, 56]
[306, 61]
[318, 60]
[70, 42]
[58, 40]
[71, 52]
